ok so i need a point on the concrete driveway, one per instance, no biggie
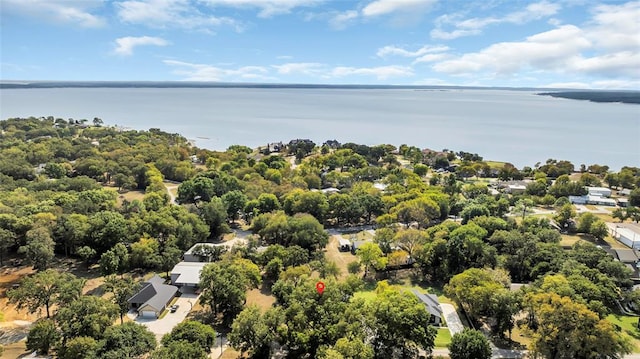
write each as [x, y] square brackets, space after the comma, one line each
[451, 316]
[160, 327]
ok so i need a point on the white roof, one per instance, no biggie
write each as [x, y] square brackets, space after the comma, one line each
[599, 189]
[188, 272]
[190, 250]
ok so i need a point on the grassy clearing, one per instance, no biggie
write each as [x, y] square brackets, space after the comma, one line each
[628, 327]
[443, 338]
[568, 240]
[495, 164]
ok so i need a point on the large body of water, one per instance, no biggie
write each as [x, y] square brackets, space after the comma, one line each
[514, 126]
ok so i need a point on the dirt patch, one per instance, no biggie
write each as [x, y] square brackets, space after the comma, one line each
[10, 277]
[262, 298]
[342, 259]
[15, 350]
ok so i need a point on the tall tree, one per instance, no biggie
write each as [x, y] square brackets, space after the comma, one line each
[122, 289]
[128, 340]
[563, 328]
[45, 289]
[469, 344]
[39, 247]
[86, 316]
[397, 321]
[250, 333]
[195, 333]
[43, 336]
[371, 255]
[224, 286]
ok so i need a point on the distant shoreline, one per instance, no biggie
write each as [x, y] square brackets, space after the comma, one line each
[630, 97]
[7, 84]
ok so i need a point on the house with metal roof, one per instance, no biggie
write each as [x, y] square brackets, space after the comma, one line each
[433, 306]
[187, 274]
[153, 297]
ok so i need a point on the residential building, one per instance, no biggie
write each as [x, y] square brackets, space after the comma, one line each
[432, 304]
[153, 297]
[186, 275]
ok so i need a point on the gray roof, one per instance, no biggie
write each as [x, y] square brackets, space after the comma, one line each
[431, 302]
[626, 255]
[154, 293]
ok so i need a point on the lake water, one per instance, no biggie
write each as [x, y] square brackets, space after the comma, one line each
[514, 126]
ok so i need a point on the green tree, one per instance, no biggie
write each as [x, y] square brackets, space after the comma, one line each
[371, 255]
[179, 350]
[598, 229]
[195, 333]
[7, 240]
[79, 348]
[224, 286]
[214, 214]
[620, 214]
[43, 336]
[122, 289]
[45, 289]
[86, 316]
[397, 320]
[563, 328]
[564, 215]
[128, 340]
[250, 333]
[235, 202]
[469, 344]
[39, 247]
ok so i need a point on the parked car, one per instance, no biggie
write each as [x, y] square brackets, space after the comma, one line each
[174, 308]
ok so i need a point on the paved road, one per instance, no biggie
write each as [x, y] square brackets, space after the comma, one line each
[160, 327]
[451, 316]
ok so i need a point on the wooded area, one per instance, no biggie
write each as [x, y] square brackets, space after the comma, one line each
[65, 195]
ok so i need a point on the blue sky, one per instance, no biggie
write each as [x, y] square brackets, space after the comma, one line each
[548, 43]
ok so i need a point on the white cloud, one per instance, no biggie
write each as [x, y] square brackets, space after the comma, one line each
[399, 51]
[63, 11]
[125, 45]
[567, 85]
[548, 50]
[170, 13]
[431, 58]
[473, 26]
[305, 68]
[343, 19]
[606, 47]
[617, 27]
[381, 72]
[384, 7]
[268, 8]
[203, 72]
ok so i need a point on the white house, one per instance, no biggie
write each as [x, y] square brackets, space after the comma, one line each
[599, 191]
[628, 236]
[187, 274]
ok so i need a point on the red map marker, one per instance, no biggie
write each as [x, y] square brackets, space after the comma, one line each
[320, 287]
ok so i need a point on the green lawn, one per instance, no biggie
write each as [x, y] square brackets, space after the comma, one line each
[443, 338]
[628, 326]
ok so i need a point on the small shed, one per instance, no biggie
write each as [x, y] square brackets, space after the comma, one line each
[344, 245]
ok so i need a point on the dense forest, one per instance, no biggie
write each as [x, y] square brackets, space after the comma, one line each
[441, 221]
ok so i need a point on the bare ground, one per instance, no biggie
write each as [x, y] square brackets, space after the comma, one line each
[342, 259]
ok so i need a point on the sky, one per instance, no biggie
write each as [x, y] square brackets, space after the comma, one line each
[512, 43]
